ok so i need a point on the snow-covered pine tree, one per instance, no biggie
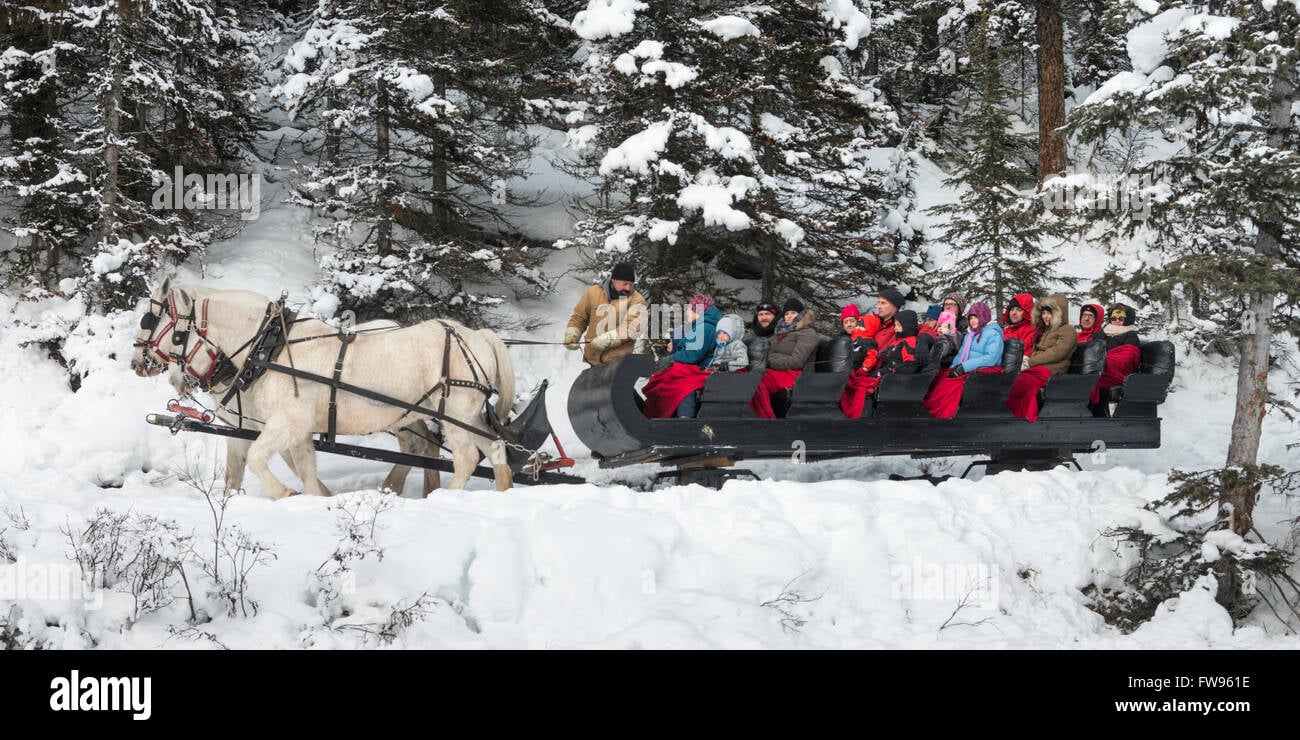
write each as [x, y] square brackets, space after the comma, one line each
[912, 54]
[127, 88]
[420, 109]
[1219, 81]
[46, 196]
[1095, 40]
[998, 230]
[740, 139]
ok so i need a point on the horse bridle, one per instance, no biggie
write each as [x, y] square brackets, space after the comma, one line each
[180, 326]
[150, 321]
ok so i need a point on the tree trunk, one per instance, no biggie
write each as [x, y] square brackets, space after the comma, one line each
[999, 284]
[440, 203]
[1252, 371]
[112, 134]
[1051, 90]
[767, 248]
[383, 206]
[769, 270]
[930, 51]
[332, 138]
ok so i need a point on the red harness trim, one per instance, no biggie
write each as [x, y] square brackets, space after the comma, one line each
[200, 345]
[214, 355]
[165, 331]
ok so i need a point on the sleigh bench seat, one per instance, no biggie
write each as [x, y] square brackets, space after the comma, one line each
[1066, 394]
[985, 394]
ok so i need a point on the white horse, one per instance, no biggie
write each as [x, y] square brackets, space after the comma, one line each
[405, 364]
[414, 439]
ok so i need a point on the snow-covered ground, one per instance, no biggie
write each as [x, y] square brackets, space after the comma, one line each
[823, 555]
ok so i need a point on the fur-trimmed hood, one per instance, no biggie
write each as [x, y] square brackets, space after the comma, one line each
[805, 320]
[1060, 307]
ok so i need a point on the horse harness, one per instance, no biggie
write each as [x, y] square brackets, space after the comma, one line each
[266, 343]
[220, 368]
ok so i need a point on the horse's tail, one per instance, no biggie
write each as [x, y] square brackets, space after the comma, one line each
[505, 380]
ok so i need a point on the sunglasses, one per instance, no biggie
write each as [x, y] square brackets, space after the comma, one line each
[1113, 319]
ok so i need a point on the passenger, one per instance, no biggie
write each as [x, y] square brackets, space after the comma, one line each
[877, 333]
[879, 326]
[759, 337]
[1016, 324]
[1090, 322]
[793, 344]
[613, 315]
[731, 354]
[902, 355]
[898, 357]
[847, 345]
[946, 343]
[1123, 355]
[671, 390]
[930, 322]
[1054, 345]
[956, 302]
[924, 343]
[728, 356]
[981, 352]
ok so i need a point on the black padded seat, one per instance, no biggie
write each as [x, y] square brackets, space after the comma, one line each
[817, 395]
[1147, 388]
[903, 395]
[727, 395]
[986, 394]
[1066, 394]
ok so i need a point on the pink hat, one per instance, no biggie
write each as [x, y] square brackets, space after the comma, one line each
[950, 318]
[850, 310]
[701, 302]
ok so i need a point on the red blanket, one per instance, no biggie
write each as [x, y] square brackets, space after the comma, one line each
[855, 393]
[773, 381]
[1121, 362]
[1023, 399]
[944, 395]
[666, 390]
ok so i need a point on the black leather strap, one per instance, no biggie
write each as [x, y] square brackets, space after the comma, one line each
[345, 339]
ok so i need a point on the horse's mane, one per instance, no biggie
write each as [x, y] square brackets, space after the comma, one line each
[207, 292]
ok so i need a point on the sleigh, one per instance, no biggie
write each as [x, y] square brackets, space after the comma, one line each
[605, 412]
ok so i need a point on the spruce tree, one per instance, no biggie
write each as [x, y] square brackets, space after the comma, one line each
[1220, 81]
[742, 140]
[1095, 40]
[998, 231]
[421, 111]
[48, 201]
[126, 91]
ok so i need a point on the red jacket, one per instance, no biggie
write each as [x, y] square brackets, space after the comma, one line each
[900, 357]
[1024, 331]
[879, 335]
[1086, 335]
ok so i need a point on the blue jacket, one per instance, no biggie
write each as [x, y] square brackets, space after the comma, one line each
[696, 345]
[985, 351]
